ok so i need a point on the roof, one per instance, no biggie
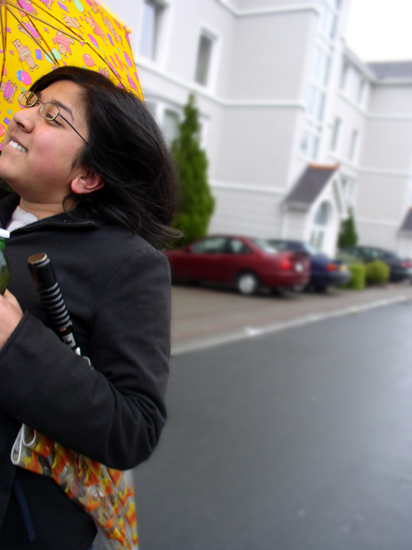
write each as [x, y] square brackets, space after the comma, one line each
[310, 184]
[406, 226]
[392, 69]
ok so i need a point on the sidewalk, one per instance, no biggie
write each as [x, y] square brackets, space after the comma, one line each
[203, 317]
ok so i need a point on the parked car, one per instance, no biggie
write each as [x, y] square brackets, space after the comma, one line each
[400, 269]
[245, 263]
[324, 271]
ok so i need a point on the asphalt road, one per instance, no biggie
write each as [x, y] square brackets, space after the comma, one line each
[296, 440]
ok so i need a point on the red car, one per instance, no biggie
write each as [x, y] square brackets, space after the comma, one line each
[245, 263]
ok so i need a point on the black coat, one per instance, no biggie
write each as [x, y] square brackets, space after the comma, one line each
[117, 290]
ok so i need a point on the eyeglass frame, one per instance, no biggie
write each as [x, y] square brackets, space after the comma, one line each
[41, 111]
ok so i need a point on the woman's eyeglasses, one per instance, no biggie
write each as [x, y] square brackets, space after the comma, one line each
[48, 111]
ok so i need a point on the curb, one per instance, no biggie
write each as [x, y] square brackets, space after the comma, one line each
[252, 332]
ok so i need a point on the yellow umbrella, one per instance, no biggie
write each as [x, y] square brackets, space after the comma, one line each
[38, 36]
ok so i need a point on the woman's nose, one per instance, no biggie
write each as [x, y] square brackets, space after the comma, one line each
[25, 119]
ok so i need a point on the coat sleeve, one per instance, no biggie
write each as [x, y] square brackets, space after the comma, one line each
[115, 412]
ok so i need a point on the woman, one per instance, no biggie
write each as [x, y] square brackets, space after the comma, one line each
[94, 189]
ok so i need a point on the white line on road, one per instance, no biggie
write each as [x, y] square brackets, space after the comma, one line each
[252, 332]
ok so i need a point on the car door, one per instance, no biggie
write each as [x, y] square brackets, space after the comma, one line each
[239, 258]
[208, 258]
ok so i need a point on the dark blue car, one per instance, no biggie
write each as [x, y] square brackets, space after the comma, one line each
[325, 272]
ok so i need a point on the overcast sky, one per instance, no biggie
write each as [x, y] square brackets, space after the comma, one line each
[380, 30]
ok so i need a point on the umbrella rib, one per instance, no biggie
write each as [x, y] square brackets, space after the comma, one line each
[3, 28]
[104, 61]
[4, 41]
[70, 34]
[50, 52]
[31, 16]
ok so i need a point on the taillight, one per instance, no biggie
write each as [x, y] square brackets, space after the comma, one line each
[286, 264]
[406, 264]
[332, 267]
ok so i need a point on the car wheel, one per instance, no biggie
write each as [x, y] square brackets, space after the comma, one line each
[247, 283]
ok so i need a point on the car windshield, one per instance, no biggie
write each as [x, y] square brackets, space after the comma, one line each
[265, 246]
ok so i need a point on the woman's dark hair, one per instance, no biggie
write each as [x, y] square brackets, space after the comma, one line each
[125, 148]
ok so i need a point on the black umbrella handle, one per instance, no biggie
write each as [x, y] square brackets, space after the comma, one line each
[52, 299]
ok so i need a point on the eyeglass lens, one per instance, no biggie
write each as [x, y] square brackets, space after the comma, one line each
[28, 99]
[49, 111]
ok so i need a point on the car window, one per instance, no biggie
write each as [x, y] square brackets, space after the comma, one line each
[389, 256]
[366, 253]
[235, 246]
[351, 250]
[265, 246]
[213, 245]
[374, 253]
[280, 245]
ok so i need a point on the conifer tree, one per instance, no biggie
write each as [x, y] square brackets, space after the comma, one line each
[196, 204]
[348, 235]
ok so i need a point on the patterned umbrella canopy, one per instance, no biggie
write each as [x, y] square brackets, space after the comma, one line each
[38, 36]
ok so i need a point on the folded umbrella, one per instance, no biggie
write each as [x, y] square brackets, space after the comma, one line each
[107, 495]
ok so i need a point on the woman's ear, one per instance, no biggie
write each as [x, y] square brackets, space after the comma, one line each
[87, 183]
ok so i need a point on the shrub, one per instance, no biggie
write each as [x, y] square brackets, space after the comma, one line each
[358, 277]
[348, 235]
[196, 204]
[377, 272]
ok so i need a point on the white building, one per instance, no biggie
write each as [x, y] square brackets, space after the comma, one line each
[297, 128]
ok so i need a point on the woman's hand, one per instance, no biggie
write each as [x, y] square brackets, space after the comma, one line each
[10, 316]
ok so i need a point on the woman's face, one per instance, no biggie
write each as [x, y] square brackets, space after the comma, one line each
[38, 156]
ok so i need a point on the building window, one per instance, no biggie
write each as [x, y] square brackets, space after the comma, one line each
[170, 125]
[151, 19]
[328, 21]
[321, 66]
[204, 57]
[344, 76]
[316, 103]
[353, 145]
[335, 134]
[309, 145]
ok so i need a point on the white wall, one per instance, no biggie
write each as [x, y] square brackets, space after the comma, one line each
[255, 146]
[246, 213]
[386, 161]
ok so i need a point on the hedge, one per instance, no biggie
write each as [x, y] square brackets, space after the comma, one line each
[357, 280]
[377, 272]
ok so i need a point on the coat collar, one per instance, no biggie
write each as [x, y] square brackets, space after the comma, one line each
[10, 202]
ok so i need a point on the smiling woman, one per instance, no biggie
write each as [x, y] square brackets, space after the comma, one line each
[94, 188]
